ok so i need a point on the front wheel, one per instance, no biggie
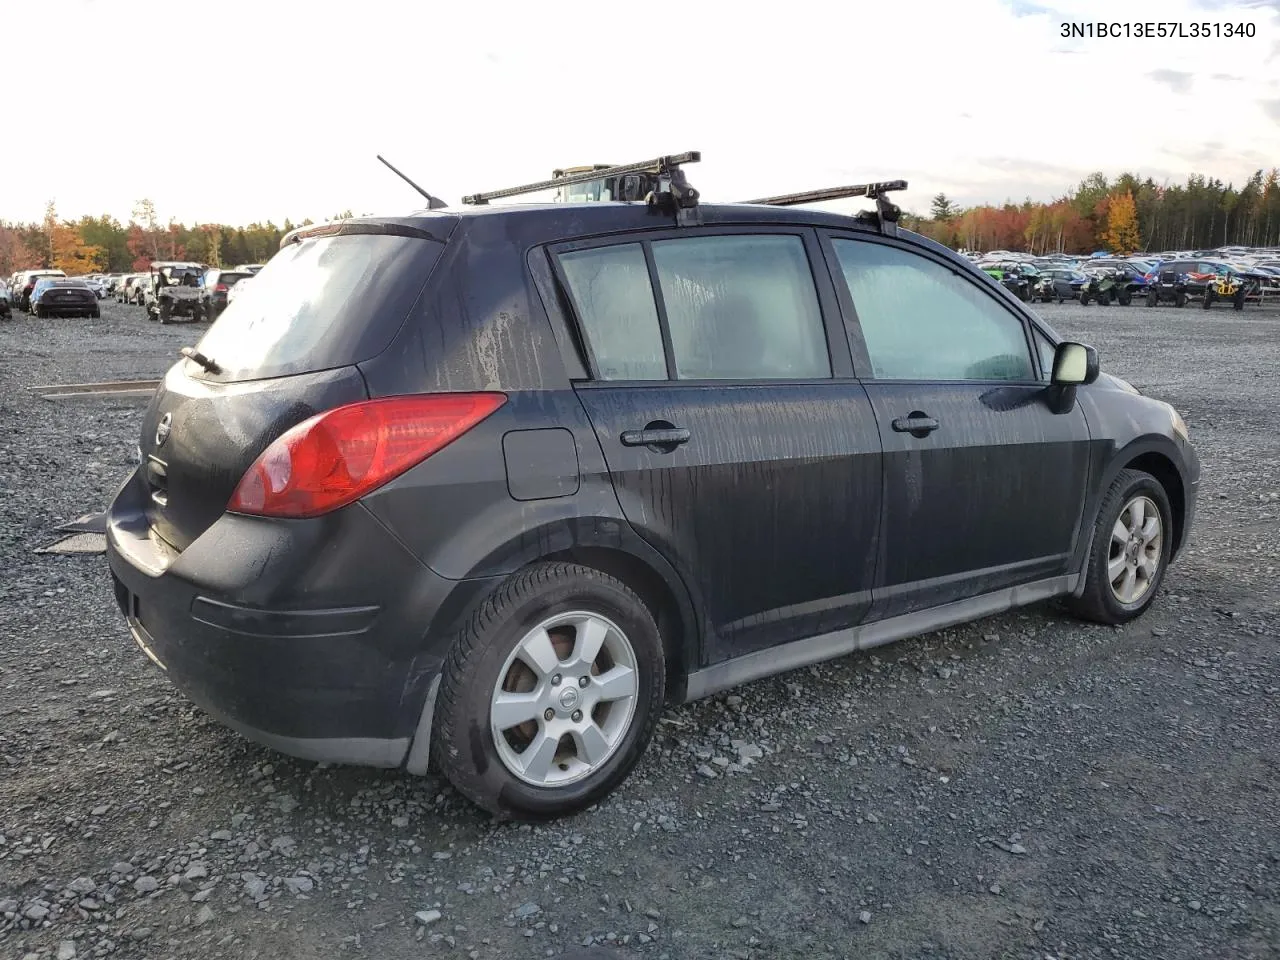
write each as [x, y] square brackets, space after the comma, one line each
[1104, 299]
[1208, 299]
[1084, 299]
[1125, 299]
[550, 693]
[1131, 544]
[1180, 299]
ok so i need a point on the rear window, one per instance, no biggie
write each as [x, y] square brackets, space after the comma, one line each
[321, 303]
[231, 279]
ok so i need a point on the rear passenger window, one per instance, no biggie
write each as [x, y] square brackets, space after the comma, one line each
[923, 322]
[613, 298]
[741, 307]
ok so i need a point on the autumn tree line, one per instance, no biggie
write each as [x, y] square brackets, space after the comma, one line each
[104, 245]
[1127, 215]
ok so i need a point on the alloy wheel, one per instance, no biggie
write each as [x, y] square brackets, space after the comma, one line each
[1137, 539]
[564, 700]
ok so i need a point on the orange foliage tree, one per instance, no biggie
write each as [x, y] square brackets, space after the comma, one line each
[1121, 235]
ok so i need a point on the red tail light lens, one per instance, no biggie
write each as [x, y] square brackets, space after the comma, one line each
[220, 288]
[340, 455]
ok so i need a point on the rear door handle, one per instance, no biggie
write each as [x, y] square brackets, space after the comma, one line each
[655, 437]
[917, 424]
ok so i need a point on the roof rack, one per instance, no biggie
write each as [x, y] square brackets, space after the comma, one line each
[668, 191]
[885, 215]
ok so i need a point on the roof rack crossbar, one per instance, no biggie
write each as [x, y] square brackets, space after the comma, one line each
[886, 214]
[658, 165]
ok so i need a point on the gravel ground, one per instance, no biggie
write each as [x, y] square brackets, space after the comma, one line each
[1024, 787]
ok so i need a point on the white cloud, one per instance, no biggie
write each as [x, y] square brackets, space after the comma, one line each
[288, 102]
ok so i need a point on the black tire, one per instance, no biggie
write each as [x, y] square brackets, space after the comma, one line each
[1125, 299]
[96, 315]
[1098, 603]
[1207, 302]
[1104, 299]
[1084, 299]
[39, 313]
[164, 311]
[1153, 299]
[1180, 299]
[1237, 302]
[462, 740]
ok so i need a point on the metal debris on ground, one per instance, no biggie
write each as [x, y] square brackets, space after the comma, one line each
[79, 543]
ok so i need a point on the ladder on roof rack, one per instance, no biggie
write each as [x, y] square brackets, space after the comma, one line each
[660, 182]
[885, 215]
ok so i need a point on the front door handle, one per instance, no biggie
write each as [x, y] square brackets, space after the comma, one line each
[918, 424]
[655, 437]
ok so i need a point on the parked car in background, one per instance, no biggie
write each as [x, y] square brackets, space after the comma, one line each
[26, 283]
[95, 284]
[218, 284]
[238, 289]
[6, 302]
[1060, 284]
[63, 297]
[492, 505]
[248, 267]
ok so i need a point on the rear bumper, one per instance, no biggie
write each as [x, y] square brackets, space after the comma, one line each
[66, 308]
[317, 638]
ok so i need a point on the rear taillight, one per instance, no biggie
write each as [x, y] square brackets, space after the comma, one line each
[220, 288]
[338, 456]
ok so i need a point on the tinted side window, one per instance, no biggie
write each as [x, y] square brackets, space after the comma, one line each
[612, 295]
[741, 307]
[923, 322]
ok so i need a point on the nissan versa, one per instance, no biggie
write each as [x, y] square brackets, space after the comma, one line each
[486, 486]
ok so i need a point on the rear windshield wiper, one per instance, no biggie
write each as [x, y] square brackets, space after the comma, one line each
[191, 353]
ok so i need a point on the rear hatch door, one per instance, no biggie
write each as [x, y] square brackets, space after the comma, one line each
[285, 350]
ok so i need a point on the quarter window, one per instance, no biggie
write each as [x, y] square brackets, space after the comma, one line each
[921, 321]
[613, 298]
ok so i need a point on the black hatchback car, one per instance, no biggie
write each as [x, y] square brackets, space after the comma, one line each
[487, 486]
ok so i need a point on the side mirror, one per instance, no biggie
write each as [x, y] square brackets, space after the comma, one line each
[1074, 364]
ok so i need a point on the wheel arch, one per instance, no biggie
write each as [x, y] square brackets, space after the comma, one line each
[613, 547]
[1152, 454]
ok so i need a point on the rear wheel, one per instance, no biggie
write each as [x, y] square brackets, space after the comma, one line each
[1130, 550]
[1104, 299]
[1180, 299]
[1209, 297]
[1084, 299]
[1126, 299]
[1237, 302]
[550, 693]
[165, 311]
[1153, 299]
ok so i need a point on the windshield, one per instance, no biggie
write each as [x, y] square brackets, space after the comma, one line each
[320, 303]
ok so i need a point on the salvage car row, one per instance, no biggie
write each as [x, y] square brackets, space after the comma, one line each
[1209, 277]
[170, 289]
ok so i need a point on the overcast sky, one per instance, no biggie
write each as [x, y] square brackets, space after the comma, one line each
[238, 111]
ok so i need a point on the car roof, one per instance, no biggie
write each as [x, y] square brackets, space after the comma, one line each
[547, 222]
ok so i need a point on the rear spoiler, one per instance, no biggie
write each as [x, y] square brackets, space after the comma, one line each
[343, 228]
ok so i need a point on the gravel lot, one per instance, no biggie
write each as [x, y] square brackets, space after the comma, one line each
[1025, 787]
